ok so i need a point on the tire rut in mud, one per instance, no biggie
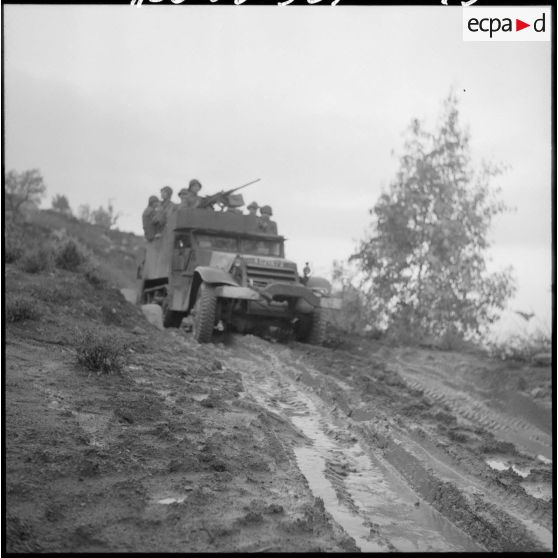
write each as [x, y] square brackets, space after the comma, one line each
[360, 489]
[383, 496]
[513, 429]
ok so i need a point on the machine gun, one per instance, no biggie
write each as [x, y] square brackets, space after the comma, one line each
[221, 197]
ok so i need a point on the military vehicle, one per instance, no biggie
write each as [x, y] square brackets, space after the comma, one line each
[221, 269]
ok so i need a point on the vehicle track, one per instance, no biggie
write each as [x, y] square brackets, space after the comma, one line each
[516, 430]
[360, 489]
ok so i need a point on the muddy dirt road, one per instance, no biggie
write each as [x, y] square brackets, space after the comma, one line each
[249, 445]
[411, 451]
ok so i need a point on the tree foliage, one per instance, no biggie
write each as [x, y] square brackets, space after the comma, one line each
[354, 315]
[23, 191]
[424, 260]
[103, 217]
[60, 203]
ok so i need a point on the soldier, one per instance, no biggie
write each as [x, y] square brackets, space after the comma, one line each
[166, 207]
[191, 198]
[151, 229]
[266, 224]
[183, 196]
[253, 209]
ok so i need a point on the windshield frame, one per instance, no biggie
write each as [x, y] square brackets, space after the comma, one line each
[238, 238]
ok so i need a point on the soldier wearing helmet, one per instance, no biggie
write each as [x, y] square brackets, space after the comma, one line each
[253, 209]
[189, 197]
[151, 228]
[165, 208]
[266, 224]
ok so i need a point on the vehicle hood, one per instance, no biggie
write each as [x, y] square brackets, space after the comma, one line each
[224, 261]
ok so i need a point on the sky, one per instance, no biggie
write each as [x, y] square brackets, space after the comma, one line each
[113, 102]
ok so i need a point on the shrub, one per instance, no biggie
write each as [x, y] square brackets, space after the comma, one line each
[100, 351]
[70, 256]
[521, 347]
[92, 273]
[21, 308]
[37, 260]
[13, 249]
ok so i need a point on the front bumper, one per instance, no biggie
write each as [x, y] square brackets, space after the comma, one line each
[273, 292]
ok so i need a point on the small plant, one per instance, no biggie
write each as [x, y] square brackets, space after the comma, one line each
[21, 308]
[92, 273]
[13, 249]
[523, 347]
[70, 256]
[100, 351]
[37, 260]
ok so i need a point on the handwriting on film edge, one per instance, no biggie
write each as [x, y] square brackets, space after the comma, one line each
[138, 3]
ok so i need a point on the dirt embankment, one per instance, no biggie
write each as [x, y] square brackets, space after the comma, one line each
[166, 456]
[249, 445]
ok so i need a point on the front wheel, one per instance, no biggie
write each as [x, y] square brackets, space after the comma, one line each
[171, 318]
[311, 328]
[204, 312]
[318, 328]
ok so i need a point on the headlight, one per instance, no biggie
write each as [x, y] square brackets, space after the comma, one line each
[320, 291]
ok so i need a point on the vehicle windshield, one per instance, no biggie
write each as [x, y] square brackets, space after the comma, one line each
[260, 247]
[255, 246]
[214, 242]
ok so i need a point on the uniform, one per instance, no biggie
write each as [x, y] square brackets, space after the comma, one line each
[150, 227]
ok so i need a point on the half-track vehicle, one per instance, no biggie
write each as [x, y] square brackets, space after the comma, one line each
[224, 272]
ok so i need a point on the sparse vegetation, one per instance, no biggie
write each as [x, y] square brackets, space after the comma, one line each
[21, 308]
[13, 247]
[23, 191]
[100, 351]
[527, 347]
[60, 203]
[37, 260]
[70, 255]
[93, 274]
[103, 217]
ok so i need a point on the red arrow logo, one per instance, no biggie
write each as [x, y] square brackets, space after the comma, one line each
[519, 25]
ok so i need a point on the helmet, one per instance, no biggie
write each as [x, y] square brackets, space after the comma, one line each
[152, 199]
[182, 192]
[253, 205]
[266, 210]
[166, 188]
[193, 183]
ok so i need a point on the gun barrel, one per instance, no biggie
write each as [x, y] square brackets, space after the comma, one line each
[209, 200]
[243, 186]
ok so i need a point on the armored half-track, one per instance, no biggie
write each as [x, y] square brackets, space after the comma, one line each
[221, 269]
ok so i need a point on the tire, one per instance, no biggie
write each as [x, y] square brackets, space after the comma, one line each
[317, 332]
[311, 328]
[204, 314]
[171, 318]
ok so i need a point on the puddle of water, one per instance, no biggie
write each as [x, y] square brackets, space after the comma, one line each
[383, 497]
[312, 464]
[168, 501]
[379, 496]
[540, 490]
[361, 492]
[504, 465]
[544, 535]
[198, 396]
